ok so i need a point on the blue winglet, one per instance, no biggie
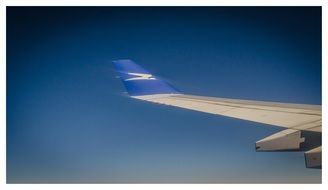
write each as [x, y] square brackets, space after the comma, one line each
[139, 82]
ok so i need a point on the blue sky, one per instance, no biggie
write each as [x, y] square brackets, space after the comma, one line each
[69, 119]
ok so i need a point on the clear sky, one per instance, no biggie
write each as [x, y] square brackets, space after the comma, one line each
[69, 119]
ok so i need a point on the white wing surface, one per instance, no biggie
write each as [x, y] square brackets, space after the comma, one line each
[291, 116]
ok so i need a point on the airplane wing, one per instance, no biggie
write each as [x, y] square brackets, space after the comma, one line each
[300, 120]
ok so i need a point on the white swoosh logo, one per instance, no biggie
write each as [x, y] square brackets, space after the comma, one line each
[140, 76]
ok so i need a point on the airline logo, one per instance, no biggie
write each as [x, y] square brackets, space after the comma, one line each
[140, 76]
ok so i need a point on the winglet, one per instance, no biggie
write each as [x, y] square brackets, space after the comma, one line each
[139, 82]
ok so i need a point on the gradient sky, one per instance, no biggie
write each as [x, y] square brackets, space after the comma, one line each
[69, 119]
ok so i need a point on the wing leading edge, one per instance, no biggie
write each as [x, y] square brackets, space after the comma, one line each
[142, 85]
